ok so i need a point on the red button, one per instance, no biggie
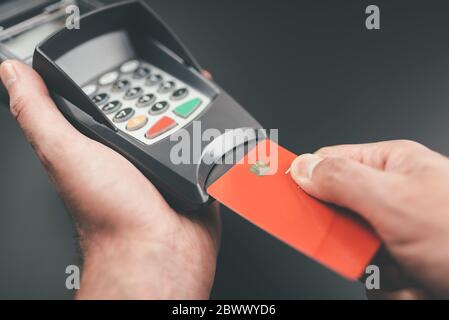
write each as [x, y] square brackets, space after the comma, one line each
[163, 125]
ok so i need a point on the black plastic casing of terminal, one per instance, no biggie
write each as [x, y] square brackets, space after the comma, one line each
[120, 32]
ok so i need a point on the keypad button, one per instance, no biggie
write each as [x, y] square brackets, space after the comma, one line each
[137, 123]
[111, 106]
[90, 89]
[159, 107]
[166, 87]
[123, 115]
[179, 94]
[141, 72]
[129, 66]
[153, 80]
[133, 93]
[145, 100]
[121, 85]
[186, 109]
[163, 125]
[100, 98]
[108, 78]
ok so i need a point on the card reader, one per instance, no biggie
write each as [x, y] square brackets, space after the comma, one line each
[126, 80]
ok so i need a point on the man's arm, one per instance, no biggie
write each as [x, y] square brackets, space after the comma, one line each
[134, 245]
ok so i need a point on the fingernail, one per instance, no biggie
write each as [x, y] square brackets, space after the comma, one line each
[302, 167]
[8, 74]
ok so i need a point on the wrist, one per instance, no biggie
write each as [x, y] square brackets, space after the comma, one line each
[138, 267]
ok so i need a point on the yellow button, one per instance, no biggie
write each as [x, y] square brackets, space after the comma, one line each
[136, 123]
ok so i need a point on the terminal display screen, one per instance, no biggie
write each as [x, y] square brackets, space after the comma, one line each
[22, 45]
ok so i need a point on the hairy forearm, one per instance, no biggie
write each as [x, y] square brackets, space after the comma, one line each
[119, 268]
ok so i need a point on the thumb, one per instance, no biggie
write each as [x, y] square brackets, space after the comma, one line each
[341, 181]
[42, 123]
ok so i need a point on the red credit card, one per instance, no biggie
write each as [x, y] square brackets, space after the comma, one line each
[258, 189]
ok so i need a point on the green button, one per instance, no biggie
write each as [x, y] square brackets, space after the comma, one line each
[186, 109]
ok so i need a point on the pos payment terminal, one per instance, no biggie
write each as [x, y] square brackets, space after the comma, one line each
[124, 79]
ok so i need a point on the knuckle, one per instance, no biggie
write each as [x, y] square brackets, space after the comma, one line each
[18, 105]
[404, 153]
[323, 150]
[409, 145]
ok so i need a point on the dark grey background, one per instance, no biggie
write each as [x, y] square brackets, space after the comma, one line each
[309, 68]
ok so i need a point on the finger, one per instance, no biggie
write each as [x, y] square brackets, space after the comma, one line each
[42, 123]
[206, 74]
[341, 181]
[376, 155]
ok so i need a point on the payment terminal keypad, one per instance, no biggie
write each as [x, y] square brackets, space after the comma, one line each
[145, 102]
